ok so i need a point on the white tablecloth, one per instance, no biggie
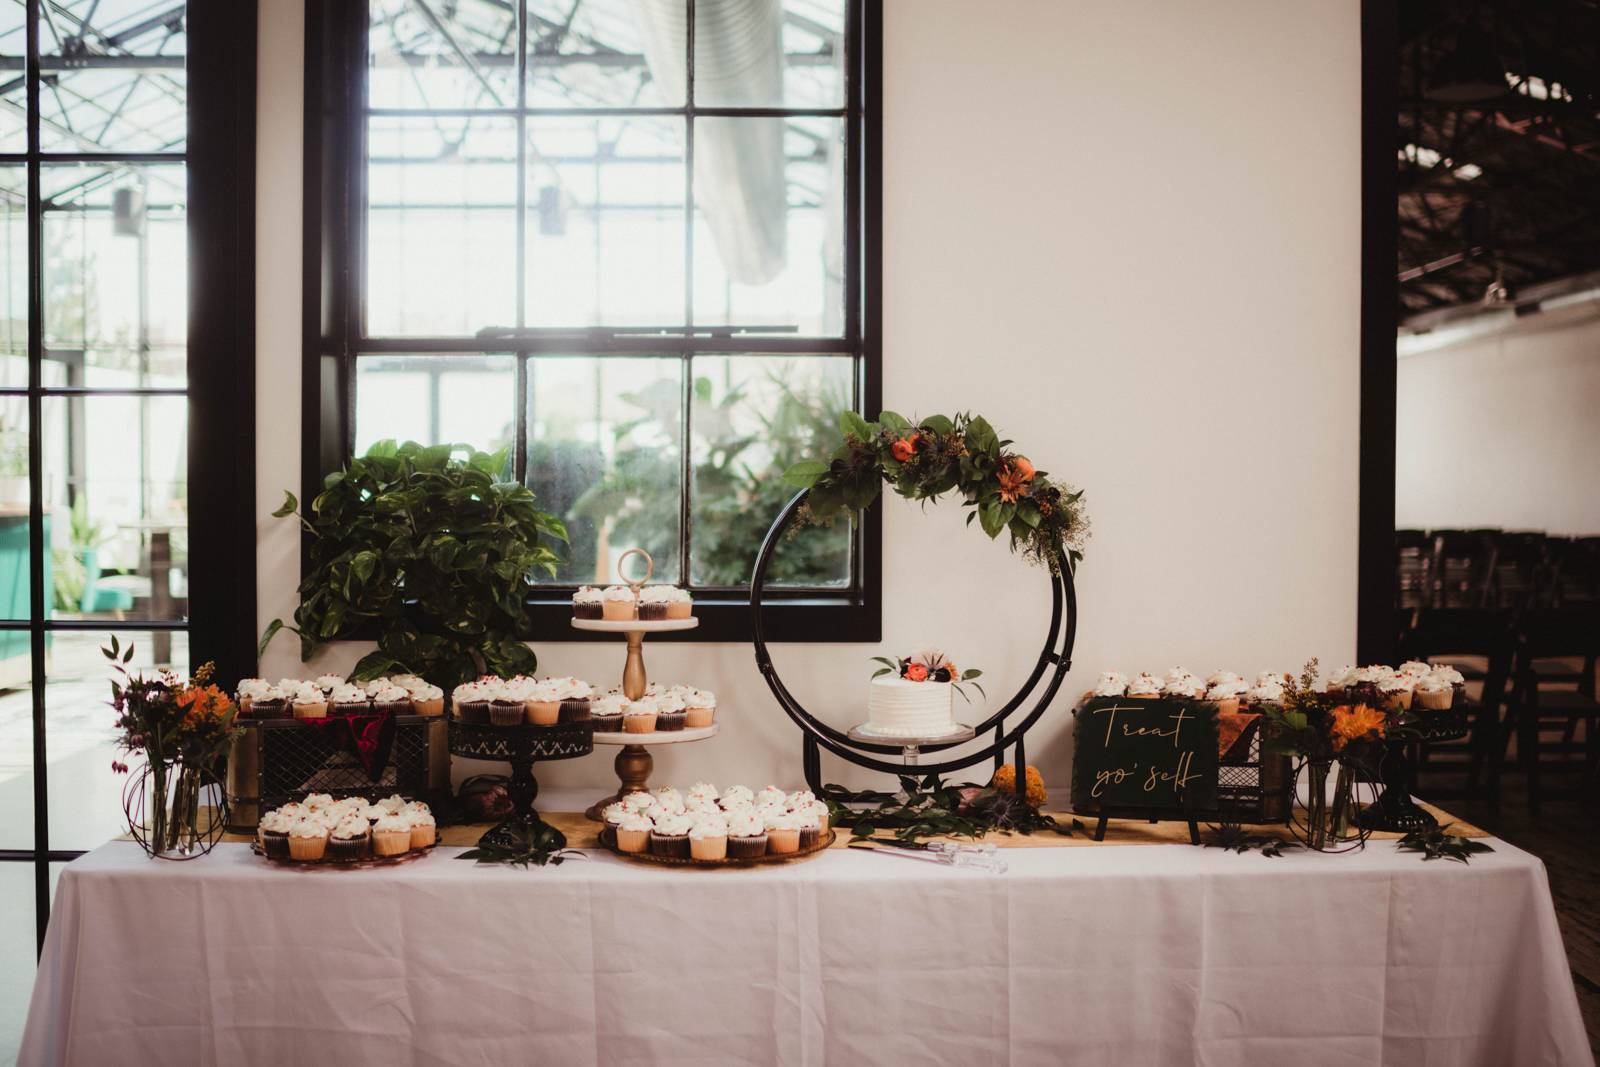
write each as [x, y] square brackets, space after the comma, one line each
[1110, 956]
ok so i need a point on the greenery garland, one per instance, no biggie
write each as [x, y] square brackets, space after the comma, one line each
[937, 454]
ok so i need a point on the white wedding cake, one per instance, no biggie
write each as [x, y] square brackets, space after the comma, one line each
[898, 707]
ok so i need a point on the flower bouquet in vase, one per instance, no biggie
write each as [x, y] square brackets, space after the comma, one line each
[180, 727]
[1331, 737]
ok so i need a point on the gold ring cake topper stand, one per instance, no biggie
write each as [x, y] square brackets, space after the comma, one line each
[634, 762]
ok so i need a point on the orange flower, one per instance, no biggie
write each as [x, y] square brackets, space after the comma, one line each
[1356, 723]
[1022, 467]
[950, 666]
[917, 672]
[1012, 483]
[905, 448]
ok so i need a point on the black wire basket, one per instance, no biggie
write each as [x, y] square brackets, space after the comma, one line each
[278, 760]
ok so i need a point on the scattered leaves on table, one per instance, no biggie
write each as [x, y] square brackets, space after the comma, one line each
[1235, 838]
[931, 808]
[1440, 843]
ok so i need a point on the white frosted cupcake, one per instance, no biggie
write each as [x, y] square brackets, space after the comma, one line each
[1267, 690]
[1145, 687]
[617, 604]
[1416, 668]
[653, 601]
[350, 840]
[542, 703]
[699, 707]
[424, 831]
[1434, 693]
[588, 603]
[329, 682]
[1225, 694]
[633, 832]
[671, 835]
[810, 825]
[708, 837]
[747, 835]
[606, 712]
[310, 702]
[612, 813]
[427, 699]
[639, 716]
[1183, 686]
[391, 835]
[639, 801]
[308, 839]
[783, 831]
[1111, 684]
[703, 789]
[737, 795]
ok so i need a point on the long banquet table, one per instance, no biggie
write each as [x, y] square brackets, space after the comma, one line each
[1153, 954]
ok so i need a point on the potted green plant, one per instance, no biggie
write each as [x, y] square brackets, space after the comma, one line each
[427, 550]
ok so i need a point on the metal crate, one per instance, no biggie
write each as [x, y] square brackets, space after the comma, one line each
[1254, 789]
[278, 760]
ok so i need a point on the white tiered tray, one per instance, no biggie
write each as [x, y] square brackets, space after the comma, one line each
[658, 737]
[635, 626]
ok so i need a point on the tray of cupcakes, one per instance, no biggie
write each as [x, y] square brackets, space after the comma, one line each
[555, 701]
[333, 694]
[705, 827]
[320, 831]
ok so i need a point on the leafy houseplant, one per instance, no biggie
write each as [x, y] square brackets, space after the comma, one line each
[427, 548]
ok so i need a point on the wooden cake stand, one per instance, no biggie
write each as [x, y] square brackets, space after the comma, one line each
[634, 762]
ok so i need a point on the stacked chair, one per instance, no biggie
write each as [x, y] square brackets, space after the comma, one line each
[1518, 613]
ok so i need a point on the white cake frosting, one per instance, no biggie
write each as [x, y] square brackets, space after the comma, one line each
[897, 707]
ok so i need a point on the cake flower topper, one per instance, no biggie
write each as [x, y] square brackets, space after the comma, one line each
[930, 665]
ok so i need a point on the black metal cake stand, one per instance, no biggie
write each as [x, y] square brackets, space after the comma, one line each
[521, 746]
[1394, 810]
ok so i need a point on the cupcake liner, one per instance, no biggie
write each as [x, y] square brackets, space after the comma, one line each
[747, 848]
[639, 724]
[782, 842]
[476, 711]
[390, 842]
[618, 610]
[708, 848]
[574, 711]
[1436, 701]
[543, 712]
[677, 610]
[652, 612]
[669, 845]
[308, 849]
[506, 714]
[669, 720]
[587, 611]
[275, 843]
[607, 723]
[695, 718]
[632, 840]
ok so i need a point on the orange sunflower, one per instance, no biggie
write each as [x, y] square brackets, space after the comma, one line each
[1356, 723]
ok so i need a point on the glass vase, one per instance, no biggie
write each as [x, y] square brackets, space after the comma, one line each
[1317, 805]
[1341, 811]
[169, 827]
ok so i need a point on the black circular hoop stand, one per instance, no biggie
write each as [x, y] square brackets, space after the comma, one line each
[520, 746]
[1056, 659]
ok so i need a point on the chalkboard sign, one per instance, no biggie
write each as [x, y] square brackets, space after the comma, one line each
[1155, 758]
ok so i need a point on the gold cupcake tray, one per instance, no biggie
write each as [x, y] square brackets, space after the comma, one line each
[634, 762]
[608, 841]
[327, 862]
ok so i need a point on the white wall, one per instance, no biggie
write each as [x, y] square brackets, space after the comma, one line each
[1503, 428]
[1127, 233]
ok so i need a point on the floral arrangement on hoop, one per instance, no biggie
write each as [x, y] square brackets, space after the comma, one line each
[930, 665]
[922, 460]
[181, 726]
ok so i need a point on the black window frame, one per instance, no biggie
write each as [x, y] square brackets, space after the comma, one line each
[333, 332]
[219, 156]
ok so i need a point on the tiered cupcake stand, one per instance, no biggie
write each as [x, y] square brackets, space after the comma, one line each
[634, 761]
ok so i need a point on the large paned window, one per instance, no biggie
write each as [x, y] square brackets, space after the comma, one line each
[630, 242]
[98, 533]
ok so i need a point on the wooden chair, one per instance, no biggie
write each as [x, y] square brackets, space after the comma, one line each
[1541, 705]
[1463, 563]
[1413, 560]
[1446, 635]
